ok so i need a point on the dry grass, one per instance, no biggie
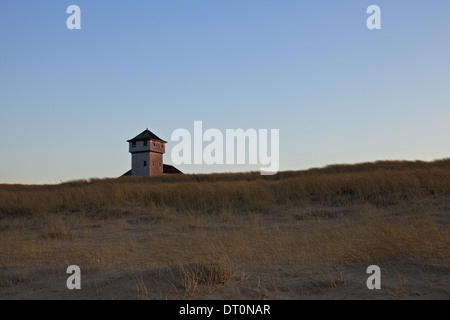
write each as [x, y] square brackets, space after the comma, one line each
[197, 277]
[381, 184]
[233, 235]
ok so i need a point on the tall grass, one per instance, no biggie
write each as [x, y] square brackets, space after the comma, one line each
[381, 184]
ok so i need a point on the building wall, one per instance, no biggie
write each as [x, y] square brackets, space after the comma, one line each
[137, 164]
[156, 164]
[152, 153]
[157, 146]
[139, 146]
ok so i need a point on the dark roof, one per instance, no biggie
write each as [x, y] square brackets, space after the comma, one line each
[167, 168]
[145, 136]
[128, 173]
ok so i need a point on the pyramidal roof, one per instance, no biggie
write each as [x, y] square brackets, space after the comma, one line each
[145, 136]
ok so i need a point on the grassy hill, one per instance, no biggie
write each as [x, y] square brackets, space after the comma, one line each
[298, 234]
[380, 183]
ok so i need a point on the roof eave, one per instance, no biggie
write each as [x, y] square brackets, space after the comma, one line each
[135, 140]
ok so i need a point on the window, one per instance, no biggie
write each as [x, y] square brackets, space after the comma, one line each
[133, 144]
[153, 163]
[154, 143]
[162, 146]
[145, 163]
[145, 143]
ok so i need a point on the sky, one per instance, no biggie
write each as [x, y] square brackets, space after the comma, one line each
[337, 91]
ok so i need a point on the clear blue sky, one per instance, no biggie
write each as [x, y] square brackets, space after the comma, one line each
[338, 92]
